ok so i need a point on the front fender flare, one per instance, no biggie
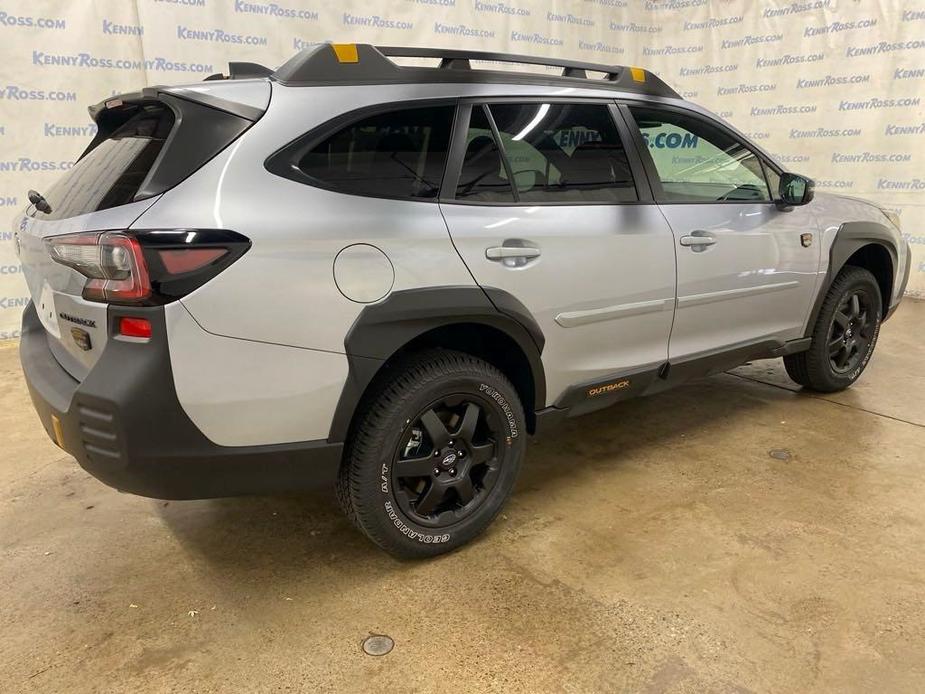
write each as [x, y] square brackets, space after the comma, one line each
[851, 237]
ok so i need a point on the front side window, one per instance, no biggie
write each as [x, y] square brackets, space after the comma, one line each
[697, 161]
[564, 153]
[399, 154]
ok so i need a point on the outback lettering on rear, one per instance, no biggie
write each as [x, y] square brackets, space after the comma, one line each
[86, 322]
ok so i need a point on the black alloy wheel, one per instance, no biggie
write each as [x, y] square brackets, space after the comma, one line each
[844, 334]
[851, 331]
[434, 453]
[448, 460]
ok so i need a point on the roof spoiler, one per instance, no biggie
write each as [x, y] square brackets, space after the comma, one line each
[214, 98]
[241, 71]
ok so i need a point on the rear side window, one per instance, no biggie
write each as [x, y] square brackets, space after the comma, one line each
[482, 177]
[399, 154]
[564, 153]
[112, 172]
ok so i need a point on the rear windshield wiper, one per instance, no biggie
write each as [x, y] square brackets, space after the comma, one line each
[41, 204]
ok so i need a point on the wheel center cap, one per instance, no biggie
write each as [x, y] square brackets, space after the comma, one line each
[449, 460]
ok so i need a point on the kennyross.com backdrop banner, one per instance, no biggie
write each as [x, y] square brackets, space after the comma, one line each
[834, 88]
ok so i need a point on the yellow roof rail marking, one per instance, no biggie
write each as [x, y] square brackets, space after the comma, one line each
[639, 75]
[346, 52]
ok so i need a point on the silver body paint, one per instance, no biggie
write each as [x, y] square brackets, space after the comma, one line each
[257, 353]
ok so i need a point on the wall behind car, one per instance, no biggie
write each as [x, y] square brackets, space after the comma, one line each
[834, 88]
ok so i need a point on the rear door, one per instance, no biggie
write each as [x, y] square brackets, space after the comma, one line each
[542, 202]
[746, 269]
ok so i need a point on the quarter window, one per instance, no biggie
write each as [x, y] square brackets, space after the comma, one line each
[399, 154]
[697, 161]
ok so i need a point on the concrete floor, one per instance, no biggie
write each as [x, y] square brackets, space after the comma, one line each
[652, 547]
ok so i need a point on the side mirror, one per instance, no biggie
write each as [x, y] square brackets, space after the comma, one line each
[795, 189]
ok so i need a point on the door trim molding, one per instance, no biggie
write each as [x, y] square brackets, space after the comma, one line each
[723, 295]
[573, 319]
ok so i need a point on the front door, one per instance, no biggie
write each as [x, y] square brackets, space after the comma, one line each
[567, 238]
[746, 269]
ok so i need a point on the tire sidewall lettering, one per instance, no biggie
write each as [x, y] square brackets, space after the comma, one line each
[870, 352]
[411, 533]
[502, 402]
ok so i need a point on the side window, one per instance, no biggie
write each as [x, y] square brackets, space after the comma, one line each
[697, 161]
[482, 176]
[399, 154]
[564, 153]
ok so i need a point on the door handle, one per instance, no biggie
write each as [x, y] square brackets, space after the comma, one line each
[698, 238]
[502, 252]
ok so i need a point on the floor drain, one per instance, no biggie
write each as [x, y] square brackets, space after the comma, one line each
[780, 454]
[378, 644]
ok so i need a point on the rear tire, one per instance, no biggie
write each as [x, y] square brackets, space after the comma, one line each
[844, 336]
[434, 454]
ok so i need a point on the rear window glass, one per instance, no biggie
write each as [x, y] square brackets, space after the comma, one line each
[400, 154]
[112, 172]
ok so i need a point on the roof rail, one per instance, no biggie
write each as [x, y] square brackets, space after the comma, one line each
[360, 63]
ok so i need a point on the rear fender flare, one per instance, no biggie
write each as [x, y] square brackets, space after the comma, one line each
[384, 328]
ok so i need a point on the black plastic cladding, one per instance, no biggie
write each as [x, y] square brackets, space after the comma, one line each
[850, 238]
[319, 65]
[142, 440]
[382, 330]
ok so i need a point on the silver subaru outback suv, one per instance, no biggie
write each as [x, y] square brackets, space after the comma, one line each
[387, 277]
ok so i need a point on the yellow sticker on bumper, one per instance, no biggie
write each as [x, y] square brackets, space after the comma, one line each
[59, 432]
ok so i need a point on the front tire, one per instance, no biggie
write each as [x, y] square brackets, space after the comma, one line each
[844, 336]
[434, 454]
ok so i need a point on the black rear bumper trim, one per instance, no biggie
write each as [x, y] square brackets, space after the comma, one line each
[125, 426]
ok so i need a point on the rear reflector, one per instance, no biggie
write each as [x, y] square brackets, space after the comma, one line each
[135, 327]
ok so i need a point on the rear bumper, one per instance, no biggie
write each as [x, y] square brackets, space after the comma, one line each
[126, 427]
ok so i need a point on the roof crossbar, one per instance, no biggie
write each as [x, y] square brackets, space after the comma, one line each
[331, 64]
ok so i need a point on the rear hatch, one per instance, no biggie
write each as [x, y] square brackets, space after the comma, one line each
[147, 142]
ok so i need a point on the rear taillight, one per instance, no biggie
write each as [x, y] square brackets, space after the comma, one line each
[112, 262]
[148, 267]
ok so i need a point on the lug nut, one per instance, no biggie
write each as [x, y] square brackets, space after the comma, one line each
[461, 453]
[452, 470]
[436, 454]
[437, 471]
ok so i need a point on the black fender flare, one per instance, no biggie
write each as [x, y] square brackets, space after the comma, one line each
[383, 328]
[851, 237]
